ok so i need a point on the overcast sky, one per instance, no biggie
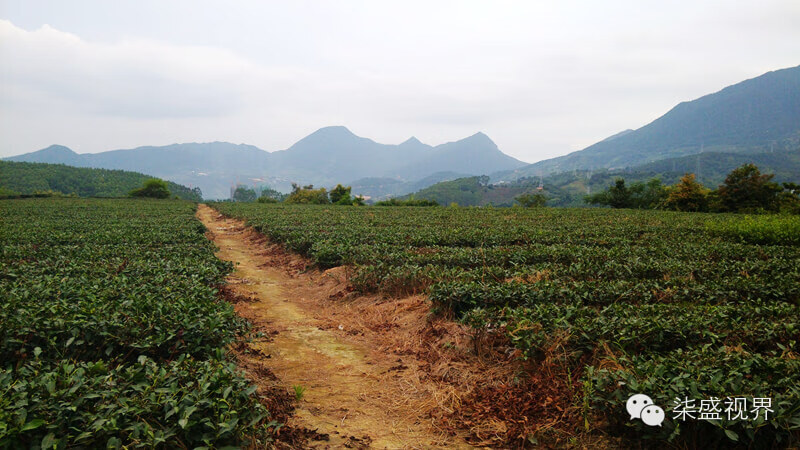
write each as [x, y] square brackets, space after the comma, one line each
[540, 78]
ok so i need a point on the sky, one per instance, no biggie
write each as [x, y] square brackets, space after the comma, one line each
[541, 78]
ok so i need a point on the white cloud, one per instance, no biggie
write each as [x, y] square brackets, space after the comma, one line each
[134, 78]
[541, 79]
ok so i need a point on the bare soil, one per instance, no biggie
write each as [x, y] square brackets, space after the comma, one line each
[358, 361]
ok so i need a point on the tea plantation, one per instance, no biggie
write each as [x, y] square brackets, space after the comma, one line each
[112, 332]
[678, 306]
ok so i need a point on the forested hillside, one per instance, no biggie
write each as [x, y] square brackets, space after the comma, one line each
[27, 178]
[569, 188]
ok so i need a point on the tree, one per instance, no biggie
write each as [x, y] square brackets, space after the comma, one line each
[746, 189]
[617, 196]
[243, 194]
[196, 194]
[269, 195]
[650, 195]
[531, 200]
[152, 188]
[307, 195]
[340, 195]
[789, 199]
[687, 195]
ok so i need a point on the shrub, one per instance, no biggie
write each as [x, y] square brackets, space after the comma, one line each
[340, 195]
[789, 199]
[7, 193]
[532, 200]
[152, 188]
[144, 404]
[408, 202]
[112, 332]
[773, 230]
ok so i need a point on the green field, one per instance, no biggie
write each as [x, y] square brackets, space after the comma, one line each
[674, 305]
[112, 332]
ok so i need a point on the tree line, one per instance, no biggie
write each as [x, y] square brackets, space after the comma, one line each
[745, 190]
[300, 195]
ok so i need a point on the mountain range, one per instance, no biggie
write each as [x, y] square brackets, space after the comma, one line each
[746, 122]
[328, 156]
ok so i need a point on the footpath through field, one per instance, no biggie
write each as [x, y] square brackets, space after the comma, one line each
[350, 387]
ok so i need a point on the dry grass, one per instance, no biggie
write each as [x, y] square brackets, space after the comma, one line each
[443, 375]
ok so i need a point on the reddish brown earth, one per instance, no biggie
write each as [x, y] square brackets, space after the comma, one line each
[381, 372]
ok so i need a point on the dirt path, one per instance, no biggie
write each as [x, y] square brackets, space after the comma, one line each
[356, 392]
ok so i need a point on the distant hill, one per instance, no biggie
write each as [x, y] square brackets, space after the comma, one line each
[55, 154]
[569, 188]
[328, 156]
[27, 178]
[751, 117]
[376, 188]
[471, 191]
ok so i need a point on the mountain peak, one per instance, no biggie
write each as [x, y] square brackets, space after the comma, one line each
[55, 154]
[480, 135]
[480, 138]
[326, 136]
[333, 131]
[56, 149]
[412, 141]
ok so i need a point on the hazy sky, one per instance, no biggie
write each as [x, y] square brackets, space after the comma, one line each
[540, 78]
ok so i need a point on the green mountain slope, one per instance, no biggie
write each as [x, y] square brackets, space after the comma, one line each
[754, 116]
[383, 188]
[27, 178]
[711, 168]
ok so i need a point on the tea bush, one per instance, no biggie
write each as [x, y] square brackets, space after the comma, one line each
[112, 331]
[691, 304]
[763, 229]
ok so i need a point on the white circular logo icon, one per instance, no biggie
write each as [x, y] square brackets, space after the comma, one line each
[652, 415]
[635, 404]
